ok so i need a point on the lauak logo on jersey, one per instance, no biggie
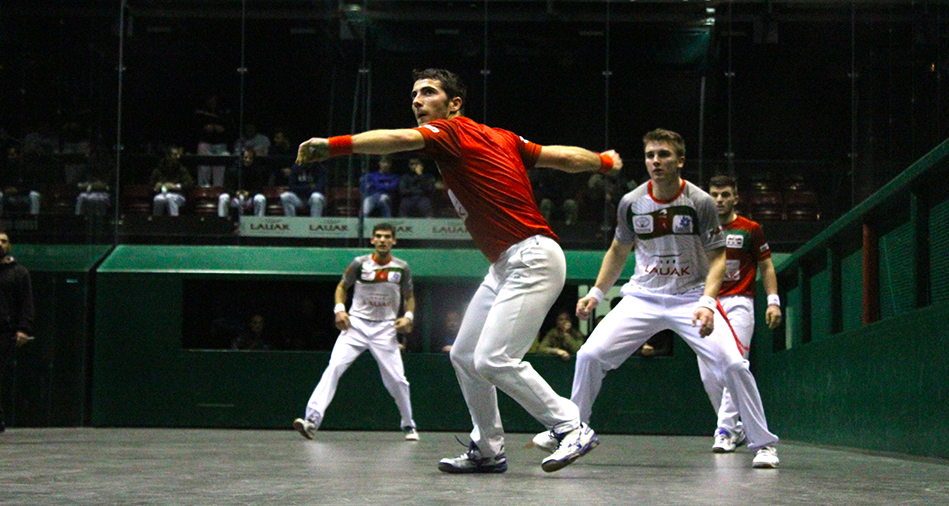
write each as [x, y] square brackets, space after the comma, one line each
[430, 127]
[668, 266]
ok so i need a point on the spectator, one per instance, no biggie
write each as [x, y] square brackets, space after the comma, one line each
[18, 188]
[170, 181]
[377, 189]
[212, 140]
[253, 139]
[415, 191]
[242, 201]
[16, 309]
[307, 182]
[563, 340]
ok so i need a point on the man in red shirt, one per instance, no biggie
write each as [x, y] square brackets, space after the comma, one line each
[746, 253]
[485, 170]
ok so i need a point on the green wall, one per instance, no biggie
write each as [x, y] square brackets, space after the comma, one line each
[143, 376]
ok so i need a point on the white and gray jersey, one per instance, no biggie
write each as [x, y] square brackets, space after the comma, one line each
[671, 238]
[379, 287]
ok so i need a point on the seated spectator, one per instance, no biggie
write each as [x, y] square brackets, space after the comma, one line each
[563, 340]
[306, 188]
[18, 194]
[281, 146]
[415, 191]
[94, 197]
[170, 181]
[253, 336]
[552, 200]
[253, 139]
[377, 189]
[444, 336]
[242, 201]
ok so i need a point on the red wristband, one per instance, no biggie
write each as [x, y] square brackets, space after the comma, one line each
[341, 145]
[606, 164]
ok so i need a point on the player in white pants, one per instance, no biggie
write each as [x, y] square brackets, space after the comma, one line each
[680, 262]
[746, 253]
[485, 171]
[383, 282]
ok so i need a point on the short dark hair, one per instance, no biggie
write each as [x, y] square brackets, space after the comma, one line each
[383, 226]
[451, 83]
[663, 135]
[723, 180]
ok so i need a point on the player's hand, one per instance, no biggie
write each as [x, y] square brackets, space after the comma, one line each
[585, 307]
[772, 316]
[617, 161]
[403, 325]
[342, 320]
[704, 317]
[314, 150]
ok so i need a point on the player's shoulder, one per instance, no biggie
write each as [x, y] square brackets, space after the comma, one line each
[695, 193]
[746, 223]
[398, 262]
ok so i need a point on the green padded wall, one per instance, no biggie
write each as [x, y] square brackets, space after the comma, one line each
[143, 376]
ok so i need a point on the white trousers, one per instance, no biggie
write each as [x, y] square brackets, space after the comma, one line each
[741, 314]
[167, 203]
[380, 339]
[500, 325]
[291, 201]
[224, 203]
[634, 320]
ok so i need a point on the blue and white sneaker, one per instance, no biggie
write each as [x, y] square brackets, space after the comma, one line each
[726, 441]
[573, 445]
[473, 461]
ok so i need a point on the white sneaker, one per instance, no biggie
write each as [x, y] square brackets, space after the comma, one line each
[546, 441]
[766, 458]
[573, 445]
[305, 427]
[410, 433]
[473, 461]
[724, 442]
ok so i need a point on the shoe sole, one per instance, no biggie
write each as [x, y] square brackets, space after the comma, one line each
[719, 449]
[301, 428]
[765, 465]
[556, 465]
[450, 469]
[412, 437]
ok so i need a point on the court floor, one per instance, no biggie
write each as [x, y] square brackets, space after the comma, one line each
[212, 466]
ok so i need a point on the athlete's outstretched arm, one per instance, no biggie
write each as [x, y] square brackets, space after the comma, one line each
[610, 269]
[576, 159]
[373, 142]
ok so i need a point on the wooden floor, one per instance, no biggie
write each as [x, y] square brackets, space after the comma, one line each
[209, 467]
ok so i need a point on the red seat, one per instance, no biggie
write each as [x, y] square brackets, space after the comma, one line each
[274, 205]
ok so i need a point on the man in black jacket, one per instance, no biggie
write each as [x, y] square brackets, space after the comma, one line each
[16, 308]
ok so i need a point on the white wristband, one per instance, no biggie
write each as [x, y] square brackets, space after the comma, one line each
[774, 300]
[339, 308]
[409, 315]
[597, 294]
[709, 302]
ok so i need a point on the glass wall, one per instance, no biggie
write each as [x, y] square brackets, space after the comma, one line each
[811, 105]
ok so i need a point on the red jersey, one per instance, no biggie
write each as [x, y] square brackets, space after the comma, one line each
[745, 246]
[485, 170]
